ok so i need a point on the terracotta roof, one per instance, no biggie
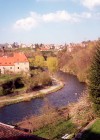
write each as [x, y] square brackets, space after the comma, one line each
[10, 133]
[9, 61]
[6, 61]
[20, 57]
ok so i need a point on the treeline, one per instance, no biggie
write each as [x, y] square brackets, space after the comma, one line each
[77, 61]
[24, 83]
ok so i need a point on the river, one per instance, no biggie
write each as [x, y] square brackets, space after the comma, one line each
[69, 93]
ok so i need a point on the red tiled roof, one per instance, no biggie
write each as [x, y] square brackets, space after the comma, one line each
[20, 57]
[9, 61]
[9, 133]
[6, 61]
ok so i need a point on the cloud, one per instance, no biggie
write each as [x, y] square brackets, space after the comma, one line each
[59, 16]
[36, 19]
[27, 23]
[90, 3]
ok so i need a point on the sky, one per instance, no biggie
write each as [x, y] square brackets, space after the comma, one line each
[49, 21]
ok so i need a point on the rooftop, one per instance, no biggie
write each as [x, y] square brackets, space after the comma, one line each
[10, 60]
[8, 132]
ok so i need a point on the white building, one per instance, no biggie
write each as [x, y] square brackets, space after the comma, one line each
[16, 63]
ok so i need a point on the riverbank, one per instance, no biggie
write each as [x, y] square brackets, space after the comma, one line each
[85, 80]
[7, 100]
[55, 123]
[52, 124]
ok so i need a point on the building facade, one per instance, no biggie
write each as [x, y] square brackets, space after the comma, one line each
[18, 62]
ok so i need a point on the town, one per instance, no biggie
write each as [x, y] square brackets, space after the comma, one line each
[49, 69]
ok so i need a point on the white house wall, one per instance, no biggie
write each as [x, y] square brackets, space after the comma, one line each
[22, 67]
[3, 69]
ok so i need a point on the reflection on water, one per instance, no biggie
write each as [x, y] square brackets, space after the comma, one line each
[70, 93]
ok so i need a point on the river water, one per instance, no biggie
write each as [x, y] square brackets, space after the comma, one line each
[69, 93]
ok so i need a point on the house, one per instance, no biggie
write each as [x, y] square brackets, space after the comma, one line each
[9, 46]
[18, 62]
[8, 132]
[23, 46]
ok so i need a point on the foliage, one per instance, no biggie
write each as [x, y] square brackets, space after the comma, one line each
[82, 111]
[45, 79]
[31, 62]
[5, 77]
[78, 60]
[52, 64]
[94, 80]
[7, 87]
[10, 85]
[1, 91]
[41, 80]
[39, 61]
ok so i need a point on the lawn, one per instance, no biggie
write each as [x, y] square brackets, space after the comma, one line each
[93, 133]
[4, 78]
[56, 131]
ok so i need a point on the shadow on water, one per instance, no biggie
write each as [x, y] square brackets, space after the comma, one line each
[89, 135]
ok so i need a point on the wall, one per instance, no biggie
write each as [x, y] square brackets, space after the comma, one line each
[6, 68]
[22, 67]
[17, 68]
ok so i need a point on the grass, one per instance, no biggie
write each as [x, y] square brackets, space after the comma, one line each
[96, 127]
[56, 131]
[4, 78]
[20, 89]
[93, 133]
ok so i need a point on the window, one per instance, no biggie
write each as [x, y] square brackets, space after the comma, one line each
[10, 67]
[18, 67]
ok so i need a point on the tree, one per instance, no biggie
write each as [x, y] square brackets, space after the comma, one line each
[52, 64]
[39, 61]
[94, 80]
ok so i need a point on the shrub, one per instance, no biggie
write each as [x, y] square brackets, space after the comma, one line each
[8, 87]
[82, 111]
[1, 91]
[18, 82]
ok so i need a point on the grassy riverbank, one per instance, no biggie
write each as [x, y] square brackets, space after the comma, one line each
[54, 123]
[57, 130]
[12, 99]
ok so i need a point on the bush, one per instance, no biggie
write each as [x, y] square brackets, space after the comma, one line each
[1, 91]
[18, 83]
[82, 111]
[45, 79]
[8, 87]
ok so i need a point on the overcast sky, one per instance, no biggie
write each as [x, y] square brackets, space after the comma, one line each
[49, 21]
